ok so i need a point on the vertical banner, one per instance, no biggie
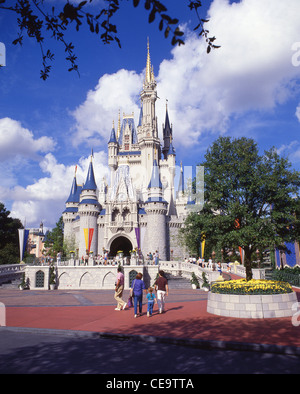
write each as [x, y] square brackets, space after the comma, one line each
[202, 249]
[23, 237]
[86, 238]
[91, 233]
[202, 245]
[242, 255]
[137, 234]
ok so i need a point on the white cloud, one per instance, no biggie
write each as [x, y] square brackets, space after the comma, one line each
[44, 200]
[252, 70]
[298, 112]
[16, 140]
[291, 151]
[94, 117]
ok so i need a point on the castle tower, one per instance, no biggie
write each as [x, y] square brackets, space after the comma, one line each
[112, 153]
[147, 130]
[88, 211]
[71, 210]
[156, 210]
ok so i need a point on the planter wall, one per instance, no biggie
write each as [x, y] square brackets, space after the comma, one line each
[251, 306]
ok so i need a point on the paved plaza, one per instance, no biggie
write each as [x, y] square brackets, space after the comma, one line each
[67, 315]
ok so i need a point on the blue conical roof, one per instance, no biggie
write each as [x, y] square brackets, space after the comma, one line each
[73, 197]
[90, 183]
[113, 137]
[155, 178]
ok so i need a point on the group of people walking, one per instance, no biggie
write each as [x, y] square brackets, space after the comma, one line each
[136, 293]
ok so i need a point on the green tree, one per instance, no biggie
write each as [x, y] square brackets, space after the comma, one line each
[9, 238]
[36, 17]
[55, 239]
[251, 200]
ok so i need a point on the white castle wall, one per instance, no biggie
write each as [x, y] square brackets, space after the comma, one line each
[89, 277]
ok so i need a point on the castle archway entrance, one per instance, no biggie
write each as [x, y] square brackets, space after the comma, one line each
[120, 243]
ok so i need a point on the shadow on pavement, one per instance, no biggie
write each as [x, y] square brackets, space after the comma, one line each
[31, 353]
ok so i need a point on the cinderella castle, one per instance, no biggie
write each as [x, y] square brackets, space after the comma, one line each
[140, 208]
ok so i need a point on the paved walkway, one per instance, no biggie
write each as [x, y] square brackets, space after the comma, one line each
[185, 321]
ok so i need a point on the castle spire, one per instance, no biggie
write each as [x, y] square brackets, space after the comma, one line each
[90, 183]
[113, 134]
[149, 77]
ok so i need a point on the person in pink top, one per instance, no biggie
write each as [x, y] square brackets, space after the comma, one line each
[121, 304]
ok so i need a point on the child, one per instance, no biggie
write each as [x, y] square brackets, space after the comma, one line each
[151, 299]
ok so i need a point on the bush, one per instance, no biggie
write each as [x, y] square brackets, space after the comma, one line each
[194, 280]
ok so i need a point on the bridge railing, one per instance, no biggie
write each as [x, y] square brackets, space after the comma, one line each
[11, 271]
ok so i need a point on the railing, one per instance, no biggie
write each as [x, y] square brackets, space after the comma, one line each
[11, 271]
[186, 269]
[211, 271]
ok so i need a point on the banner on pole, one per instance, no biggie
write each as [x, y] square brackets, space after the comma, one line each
[88, 236]
[137, 234]
[23, 237]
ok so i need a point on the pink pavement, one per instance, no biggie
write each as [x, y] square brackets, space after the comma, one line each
[185, 319]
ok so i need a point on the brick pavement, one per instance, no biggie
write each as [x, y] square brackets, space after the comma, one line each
[186, 317]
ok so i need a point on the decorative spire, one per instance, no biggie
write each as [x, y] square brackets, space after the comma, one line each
[113, 134]
[149, 77]
[155, 178]
[74, 197]
[90, 183]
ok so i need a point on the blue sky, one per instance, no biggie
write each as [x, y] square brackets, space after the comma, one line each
[249, 87]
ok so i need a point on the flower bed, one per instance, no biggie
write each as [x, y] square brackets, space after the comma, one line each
[255, 287]
[252, 299]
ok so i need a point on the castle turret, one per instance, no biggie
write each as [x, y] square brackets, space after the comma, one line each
[88, 210]
[156, 209]
[112, 153]
[71, 211]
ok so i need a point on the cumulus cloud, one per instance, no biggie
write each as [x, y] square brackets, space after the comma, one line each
[44, 200]
[114, 92]
[252, 70]
[15, 140]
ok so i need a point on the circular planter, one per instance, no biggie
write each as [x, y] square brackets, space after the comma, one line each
[251, 306]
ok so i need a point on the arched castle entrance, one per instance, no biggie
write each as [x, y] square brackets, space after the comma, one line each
[120, 243]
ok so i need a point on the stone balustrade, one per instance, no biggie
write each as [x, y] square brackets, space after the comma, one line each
[11, 271]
